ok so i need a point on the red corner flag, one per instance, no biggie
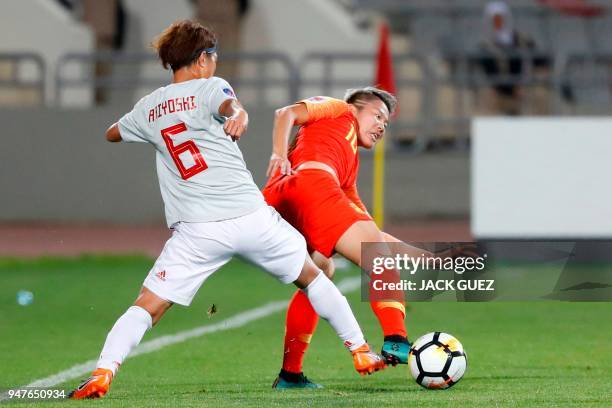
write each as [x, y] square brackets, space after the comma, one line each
[575, 7]
[384, 63]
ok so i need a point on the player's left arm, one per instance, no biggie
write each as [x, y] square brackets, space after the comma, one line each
[237, 118]
[129, 128]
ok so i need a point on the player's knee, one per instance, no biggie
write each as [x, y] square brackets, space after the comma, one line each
[328, 267]
[324, 263]
[153, 304]
[157, 314]
[309, 272]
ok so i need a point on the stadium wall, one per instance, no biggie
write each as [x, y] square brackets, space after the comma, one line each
[55, 165]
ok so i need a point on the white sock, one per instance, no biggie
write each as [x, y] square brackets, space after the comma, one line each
[123, 337]
[332, 306]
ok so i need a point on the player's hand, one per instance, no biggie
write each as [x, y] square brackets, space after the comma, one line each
[279, 162]
[236, 125]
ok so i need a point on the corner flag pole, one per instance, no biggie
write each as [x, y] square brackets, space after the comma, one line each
[384, 80]
[378, 189]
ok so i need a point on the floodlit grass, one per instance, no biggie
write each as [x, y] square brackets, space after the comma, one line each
[520, 354]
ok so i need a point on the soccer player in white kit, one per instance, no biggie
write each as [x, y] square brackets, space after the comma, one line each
[212, 205]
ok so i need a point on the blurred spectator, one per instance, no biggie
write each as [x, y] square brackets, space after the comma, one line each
[107, 19]
[507, 54]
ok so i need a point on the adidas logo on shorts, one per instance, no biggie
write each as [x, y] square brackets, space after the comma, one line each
[161, 275]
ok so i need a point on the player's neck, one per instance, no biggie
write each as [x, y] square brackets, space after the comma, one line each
[187, 74]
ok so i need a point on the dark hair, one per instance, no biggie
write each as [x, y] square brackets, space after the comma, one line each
[182, 43]
[357, 96]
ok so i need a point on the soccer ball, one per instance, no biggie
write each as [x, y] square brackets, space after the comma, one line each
[437, 360]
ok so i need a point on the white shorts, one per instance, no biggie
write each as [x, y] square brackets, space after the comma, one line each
[196, 250]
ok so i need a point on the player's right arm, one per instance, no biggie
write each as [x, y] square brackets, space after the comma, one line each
[303, 112]
[130, 127]
[112, 133]
[284, 120]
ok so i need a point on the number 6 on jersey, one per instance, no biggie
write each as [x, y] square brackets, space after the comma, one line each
[188, 146]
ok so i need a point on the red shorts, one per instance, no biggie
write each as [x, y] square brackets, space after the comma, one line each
[312, 201]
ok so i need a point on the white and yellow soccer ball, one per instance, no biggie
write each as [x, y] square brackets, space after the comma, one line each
[437, 360]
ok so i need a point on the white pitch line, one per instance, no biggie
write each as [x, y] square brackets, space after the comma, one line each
[234, 322]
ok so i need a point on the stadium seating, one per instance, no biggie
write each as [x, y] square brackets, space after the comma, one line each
[432, 40]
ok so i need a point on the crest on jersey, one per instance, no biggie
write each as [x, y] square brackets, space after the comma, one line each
[228, 91]
[317, 99]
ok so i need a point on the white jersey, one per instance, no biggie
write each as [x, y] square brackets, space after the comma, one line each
[202, 174]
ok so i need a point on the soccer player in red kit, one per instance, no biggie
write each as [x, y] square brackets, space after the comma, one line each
[313, 186]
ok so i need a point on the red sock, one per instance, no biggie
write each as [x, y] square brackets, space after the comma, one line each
[300, 325]
[388, 304]
[391, 317]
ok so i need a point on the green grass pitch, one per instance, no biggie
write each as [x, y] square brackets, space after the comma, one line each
[520, 354]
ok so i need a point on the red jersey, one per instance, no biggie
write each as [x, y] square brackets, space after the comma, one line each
[330, 137]
[313, 201]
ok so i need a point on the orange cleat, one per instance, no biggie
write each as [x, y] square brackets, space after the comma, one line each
[95, 386]
[366, 361]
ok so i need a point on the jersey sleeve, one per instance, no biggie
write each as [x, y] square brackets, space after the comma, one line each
[353, 195]
[130, 125]
[323, 107]
[219, 92]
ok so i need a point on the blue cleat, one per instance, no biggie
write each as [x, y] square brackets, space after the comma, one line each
[395, 350]
[286, 380]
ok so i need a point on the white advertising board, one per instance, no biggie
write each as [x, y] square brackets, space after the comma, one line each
[541, 178]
